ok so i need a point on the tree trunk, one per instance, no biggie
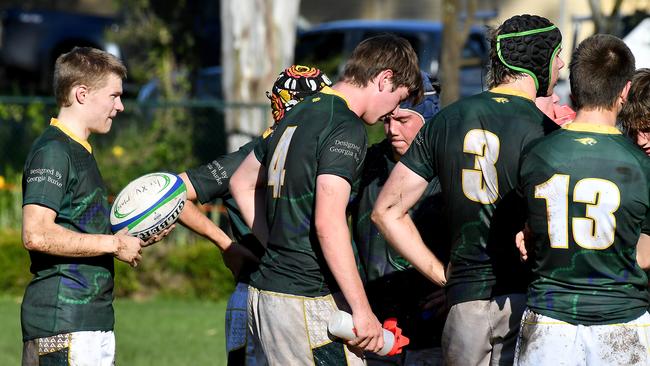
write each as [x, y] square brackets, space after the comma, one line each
[605, 23]
[454, 36]
[258, 39]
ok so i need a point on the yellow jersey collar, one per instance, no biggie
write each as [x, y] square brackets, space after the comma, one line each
[591, 127]
[504, 90]
[328, 90]
[55, 122]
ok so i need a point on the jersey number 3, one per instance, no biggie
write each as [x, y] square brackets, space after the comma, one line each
[481, 184]
[597, 229]
[276, 172]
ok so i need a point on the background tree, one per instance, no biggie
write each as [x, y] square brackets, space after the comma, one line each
[158, 44]
[604, 23]
[258, 39]
[457, 20]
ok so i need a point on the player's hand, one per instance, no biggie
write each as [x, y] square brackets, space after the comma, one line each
[129, 248]
[521, 239]
[370, 336]
[235, 256]
[436, 302]
[160, 236]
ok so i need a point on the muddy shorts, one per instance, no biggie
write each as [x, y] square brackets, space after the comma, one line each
[292, 330]
[547, 341]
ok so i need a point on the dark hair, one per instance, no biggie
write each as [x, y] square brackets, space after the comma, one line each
[497, 72]
[523, 45]
[635, 115]
[83, 65]
[600, 67]
[385, 52]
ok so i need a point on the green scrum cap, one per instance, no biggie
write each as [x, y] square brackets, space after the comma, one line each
[529, 44]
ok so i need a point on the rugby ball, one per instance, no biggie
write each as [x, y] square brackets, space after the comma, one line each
[149, 205]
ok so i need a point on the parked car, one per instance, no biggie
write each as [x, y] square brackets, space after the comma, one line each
[31, 41]
[205, 83]
[328, 45]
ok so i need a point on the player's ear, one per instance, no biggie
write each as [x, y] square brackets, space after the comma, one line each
[80, 93]
[625, 91]
[385, 79]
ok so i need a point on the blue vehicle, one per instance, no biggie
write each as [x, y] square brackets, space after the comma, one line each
[31, 41]
[328, 45]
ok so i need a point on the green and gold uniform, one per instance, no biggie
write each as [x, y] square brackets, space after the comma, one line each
[587, 189]
[394, 287]
[473, 146]
[321, 135]
[67, 294]
[211, 181]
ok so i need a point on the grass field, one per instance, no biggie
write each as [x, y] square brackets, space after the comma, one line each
[157, 332]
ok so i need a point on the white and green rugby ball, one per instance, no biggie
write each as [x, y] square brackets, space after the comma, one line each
[149, 205]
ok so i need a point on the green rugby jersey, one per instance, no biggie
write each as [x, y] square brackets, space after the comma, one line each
[376, 256]
[320, 135]
[394, 287]
[67, 294]
[211, 182]
[473, 146]
[587, 189]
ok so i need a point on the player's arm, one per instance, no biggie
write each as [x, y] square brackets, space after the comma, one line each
[193, 219]
[390, 214]
[643, 252]
[42, 234]
[332, 195]
[189, 187]
[247, 186]
[234, 254]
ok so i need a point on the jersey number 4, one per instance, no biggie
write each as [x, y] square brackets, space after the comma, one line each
[276, 168]
[597, 229]
[481, 184]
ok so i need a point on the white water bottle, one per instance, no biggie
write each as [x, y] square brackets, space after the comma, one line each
[340, 325]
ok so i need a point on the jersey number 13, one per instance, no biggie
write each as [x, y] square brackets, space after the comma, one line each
[594, 231]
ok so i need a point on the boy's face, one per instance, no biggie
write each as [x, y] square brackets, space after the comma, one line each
[384, 102]
[401, 127]
[104, 104]
[558, 64]
[643, 140]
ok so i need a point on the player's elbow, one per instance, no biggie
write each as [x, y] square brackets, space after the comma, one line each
[379, 216]
[321, 225]
[32, 240]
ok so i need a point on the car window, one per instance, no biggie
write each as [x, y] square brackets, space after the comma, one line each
[322, 50]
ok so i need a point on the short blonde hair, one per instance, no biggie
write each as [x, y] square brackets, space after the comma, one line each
[83, 65]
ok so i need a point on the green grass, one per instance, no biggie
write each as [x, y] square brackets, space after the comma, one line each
[157, 332]
[11, 345]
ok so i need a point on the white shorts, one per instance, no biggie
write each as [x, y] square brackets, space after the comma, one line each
[292, 330]
[71, 349]
[483, 332]
[547, 341]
